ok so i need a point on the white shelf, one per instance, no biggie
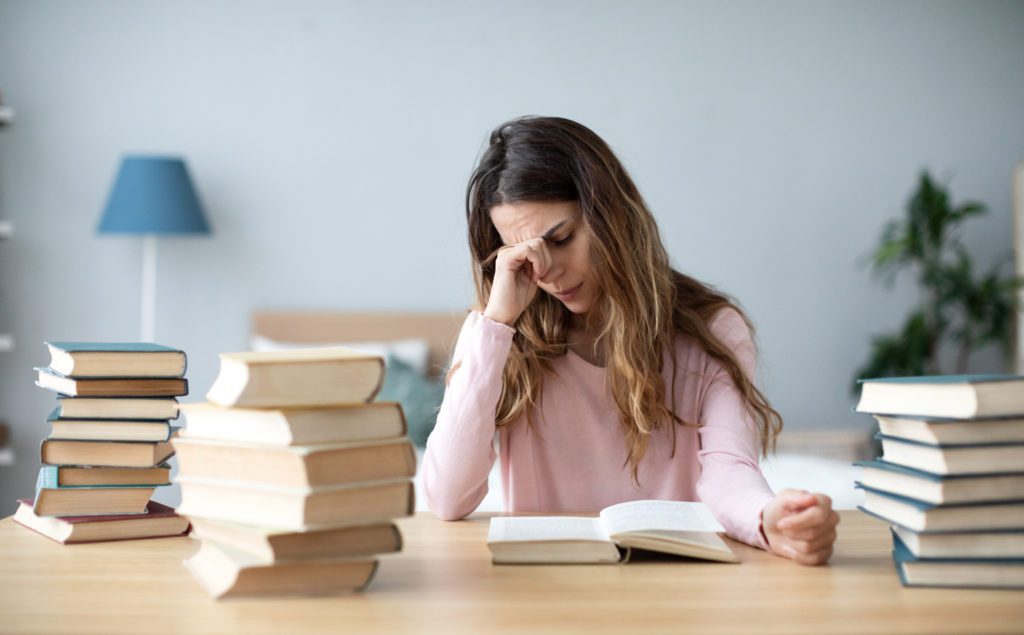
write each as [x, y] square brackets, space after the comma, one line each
[6, 115]
[6, 342]
[6, 456]
[6, 229]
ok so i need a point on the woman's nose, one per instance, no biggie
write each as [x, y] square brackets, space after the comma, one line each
[554, 272]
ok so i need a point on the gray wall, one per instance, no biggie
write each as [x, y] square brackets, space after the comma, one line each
[331, 142]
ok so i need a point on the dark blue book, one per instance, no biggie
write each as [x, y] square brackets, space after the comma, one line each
[995, 458]
[116, 359]
[1000, 545]
[947, 396]
[108, 429]
[926, 517]
[88, 501]
[956, 572]
[939, 489]
[112, 387]
[937, 431]
[64, 476]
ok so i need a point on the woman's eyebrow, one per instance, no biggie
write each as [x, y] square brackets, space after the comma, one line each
[547, 235]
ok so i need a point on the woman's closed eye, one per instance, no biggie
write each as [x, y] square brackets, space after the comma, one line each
[563, 241]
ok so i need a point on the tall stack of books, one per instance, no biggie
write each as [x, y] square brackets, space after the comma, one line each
[950, 480]
[290, 477]
[109, 442]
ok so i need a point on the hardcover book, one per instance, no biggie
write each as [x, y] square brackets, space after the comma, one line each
[116, 359]
[976, 544]
[678, 528]
[296, 426]
[108, 429]
[111, 387]
[296, 466]
[1003, 458]
[85, 501]
[296, 509]
[105, 453]
[269, 545]
[925, 517]
[940, 489]
[953, 431]
[301, 377]
[152, 409]
[947, 396]
[954, 572]
[79, 475]
[158, 521]
[226, 573]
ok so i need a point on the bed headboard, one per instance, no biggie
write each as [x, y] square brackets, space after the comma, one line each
[323, 327]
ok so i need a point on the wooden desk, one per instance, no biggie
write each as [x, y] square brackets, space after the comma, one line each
[444, 582]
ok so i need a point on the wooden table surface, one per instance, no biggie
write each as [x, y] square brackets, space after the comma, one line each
[444, 582]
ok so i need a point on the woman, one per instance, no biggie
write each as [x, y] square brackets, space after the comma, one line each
[608, 375]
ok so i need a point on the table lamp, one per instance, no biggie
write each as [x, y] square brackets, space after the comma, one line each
[152, 196]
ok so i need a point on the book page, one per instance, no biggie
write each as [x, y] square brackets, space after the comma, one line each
[539, 528]
[651, 515]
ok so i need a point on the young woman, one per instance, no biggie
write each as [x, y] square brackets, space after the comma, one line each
[607, 375]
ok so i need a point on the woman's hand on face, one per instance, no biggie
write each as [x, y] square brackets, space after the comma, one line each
[801, 526]
[517, 271]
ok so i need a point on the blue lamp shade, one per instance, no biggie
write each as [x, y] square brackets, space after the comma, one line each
[153, 195]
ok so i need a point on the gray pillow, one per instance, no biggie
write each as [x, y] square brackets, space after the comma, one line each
[419, 395]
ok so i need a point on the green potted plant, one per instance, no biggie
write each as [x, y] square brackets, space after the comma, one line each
[959, 307]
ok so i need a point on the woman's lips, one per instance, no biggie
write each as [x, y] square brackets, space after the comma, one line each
[568, 295]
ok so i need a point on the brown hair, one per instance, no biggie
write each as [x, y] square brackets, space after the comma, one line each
[642, 303]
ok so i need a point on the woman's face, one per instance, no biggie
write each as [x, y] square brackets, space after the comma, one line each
[570, 278]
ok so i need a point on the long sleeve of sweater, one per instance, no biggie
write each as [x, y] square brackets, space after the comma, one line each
[460, 451]
[731, 482]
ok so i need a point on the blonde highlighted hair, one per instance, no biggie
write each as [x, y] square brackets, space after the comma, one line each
[642, 302]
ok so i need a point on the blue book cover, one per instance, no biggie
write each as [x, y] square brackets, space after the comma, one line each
[49, 478]
[116, 359]
[902, 557]
[909, 471]
[943, 379]
[885, 437]
[112, 347]
[925, 506]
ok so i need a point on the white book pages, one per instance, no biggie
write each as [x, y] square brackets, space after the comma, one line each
[537, 528]
[650, 515]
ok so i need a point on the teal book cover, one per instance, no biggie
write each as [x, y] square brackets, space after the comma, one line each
[909, 471]
[112, 347]
[924, 506]
[891, 439]
[49, 478]
[901, 555]
[944, 379]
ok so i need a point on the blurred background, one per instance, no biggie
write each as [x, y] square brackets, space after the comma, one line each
[330, 144]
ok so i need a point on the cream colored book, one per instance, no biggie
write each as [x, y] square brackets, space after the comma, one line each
[270, 545]
[296, 508]
[227, 573]
[301, 377]
[296, 466]
[672, 527]
[295, 426]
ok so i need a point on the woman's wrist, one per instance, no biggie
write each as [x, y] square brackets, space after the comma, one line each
[497, 316]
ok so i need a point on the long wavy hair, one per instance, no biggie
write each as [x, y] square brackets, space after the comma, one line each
[641, 303]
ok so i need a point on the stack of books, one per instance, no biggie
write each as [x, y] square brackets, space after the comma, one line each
[109, 442]
[290, 477]
[950, 480]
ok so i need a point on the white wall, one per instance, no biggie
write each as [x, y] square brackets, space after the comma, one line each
[331, 142]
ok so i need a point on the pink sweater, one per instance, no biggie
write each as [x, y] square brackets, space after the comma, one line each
[573, 459]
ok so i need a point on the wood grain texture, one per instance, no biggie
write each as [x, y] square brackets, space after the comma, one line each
[444, 582]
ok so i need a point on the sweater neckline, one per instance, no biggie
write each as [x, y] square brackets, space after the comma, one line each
[579, 361]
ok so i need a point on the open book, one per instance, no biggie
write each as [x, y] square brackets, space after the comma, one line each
[684, 529]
